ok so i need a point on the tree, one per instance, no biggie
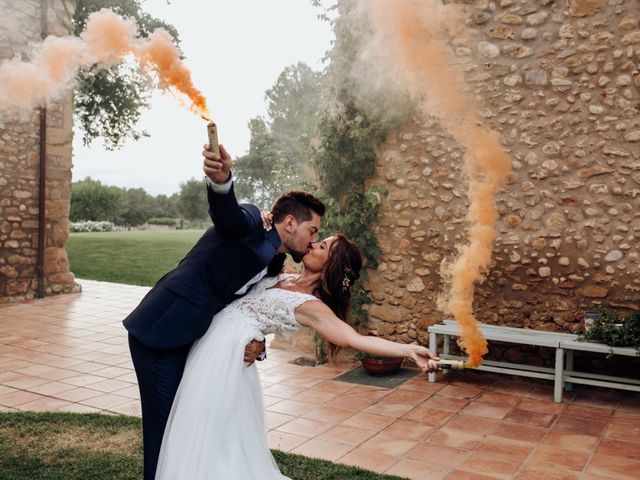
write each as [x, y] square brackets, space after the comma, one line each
[280, 146]
[108, 102]
[192, 202]
[90, 200]
[138, 207]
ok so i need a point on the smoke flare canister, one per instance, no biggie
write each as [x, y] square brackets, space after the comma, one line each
[212, 132]
[451, 364]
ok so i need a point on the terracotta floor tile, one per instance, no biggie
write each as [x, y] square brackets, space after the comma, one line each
[329, 414]
[51, 388]
[111, 372]
[348, 435]
[318, 448]
[479, 409]
[570, 460]
[462, 475]
[430, 416]
[284, 441]
[469, 423]
[497, 399]
[583, 426]
[571, 441]
[410, 429]
[415, 470]
[405, 397]
[618, 448]
[440, 402]
[390, 443]
[495, 446]
[282, 391]
[372, 460]
[466, 392]
[512, 387]
[422, 385]
[305, 426]
[332, 386]
[389, 409]
[77, 394]
[105, 401]
[542, 406]
[82, 380]
[274, 419]
[132, 408]
[369, 421]
[588, 411]
[44, 404]
[539, 471]
[13, 399]
[109, 386]
[25, 382]
[450, 437]
[518, 431]
[531, 418]
[499, 467]
[614, 468]
[290, 407]
[268, 400]
[314, 396]
[440, 456]
[626, 430]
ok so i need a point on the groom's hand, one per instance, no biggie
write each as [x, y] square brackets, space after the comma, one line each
[217, 168]
[252, 350]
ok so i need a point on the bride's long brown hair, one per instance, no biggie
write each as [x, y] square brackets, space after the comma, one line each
[338, 276]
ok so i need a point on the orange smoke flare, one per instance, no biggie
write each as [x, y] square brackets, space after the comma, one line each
[107, 40]
[417, 36]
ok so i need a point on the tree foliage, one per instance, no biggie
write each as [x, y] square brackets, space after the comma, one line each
[109, 102]
[280, 146]
[91, 200]
[192, 201]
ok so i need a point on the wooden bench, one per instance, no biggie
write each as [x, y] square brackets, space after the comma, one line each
[564, 344]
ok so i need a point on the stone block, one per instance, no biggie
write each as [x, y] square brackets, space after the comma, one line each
[584, 8]
[55, 260]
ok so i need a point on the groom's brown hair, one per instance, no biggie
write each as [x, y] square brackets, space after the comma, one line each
[297, 203]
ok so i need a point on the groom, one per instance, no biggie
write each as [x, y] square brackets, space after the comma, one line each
[230, 257]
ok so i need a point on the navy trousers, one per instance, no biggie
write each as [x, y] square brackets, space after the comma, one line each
[159, 373]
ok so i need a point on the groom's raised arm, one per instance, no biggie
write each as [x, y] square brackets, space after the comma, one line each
[230, 218]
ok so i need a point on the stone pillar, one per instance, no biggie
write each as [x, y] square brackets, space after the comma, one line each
[19, 168]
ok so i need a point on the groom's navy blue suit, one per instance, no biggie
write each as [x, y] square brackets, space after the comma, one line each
[179, 308]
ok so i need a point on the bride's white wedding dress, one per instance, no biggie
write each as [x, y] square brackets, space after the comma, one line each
[216, 427]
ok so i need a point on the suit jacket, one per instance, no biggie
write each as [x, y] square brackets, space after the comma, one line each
[179, 308]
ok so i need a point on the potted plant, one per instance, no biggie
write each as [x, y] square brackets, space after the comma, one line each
[379, 365]
[614, 329]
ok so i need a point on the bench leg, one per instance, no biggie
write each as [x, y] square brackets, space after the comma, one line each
[558, 382]
[445, 345]
[568, 386]
[433, 346]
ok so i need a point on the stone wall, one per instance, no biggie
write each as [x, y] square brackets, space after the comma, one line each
[19, 169]
[560, 82]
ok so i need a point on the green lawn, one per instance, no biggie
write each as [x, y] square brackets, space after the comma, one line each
[68, 446]
[138, 257]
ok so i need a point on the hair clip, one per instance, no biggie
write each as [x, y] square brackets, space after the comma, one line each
[346, 282]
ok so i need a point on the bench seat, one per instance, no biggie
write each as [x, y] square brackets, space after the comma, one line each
[564, 345]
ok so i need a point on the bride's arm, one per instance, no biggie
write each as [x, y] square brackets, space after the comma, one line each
[318, 316]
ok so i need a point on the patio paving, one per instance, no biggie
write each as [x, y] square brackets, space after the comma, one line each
[69, 353]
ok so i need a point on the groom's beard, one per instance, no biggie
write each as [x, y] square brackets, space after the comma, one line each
[297, 255]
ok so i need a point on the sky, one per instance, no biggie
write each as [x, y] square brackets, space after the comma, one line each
[235, 49]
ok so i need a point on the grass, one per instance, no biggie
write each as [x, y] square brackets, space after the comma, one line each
[135, 257]
[71, 446]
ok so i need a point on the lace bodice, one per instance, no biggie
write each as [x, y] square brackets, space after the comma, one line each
[269, 309]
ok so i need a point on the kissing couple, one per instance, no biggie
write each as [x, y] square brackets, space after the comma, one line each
[195, 336]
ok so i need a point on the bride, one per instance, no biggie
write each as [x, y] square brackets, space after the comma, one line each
[216, 427]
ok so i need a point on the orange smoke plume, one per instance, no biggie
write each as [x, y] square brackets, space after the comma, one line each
[107, 40]
[417, 35]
